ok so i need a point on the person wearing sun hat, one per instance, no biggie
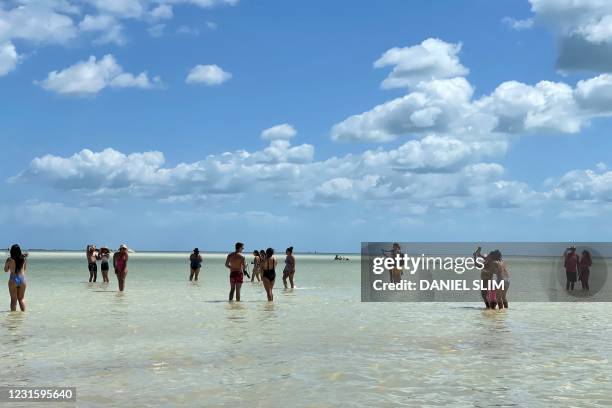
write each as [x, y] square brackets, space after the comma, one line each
[195, 261]
[121, 265]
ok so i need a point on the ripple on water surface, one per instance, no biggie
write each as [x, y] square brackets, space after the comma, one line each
[169, 342]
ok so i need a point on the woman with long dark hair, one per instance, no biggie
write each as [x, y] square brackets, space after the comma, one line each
[16, 265]
[256, 267]
[269, 273]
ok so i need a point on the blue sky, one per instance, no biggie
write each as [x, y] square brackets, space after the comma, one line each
[143, 121]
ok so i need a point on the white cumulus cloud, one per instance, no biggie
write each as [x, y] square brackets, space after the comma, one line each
[208, 75]
[161, 12]
[584, 28]
[203, 3]
[109, 29]
[8, 58]
[36, 23]
[448, 106]
[42, 22]
[121, 8]
[432, 59]
[433, 106]
[92, 76]
[284, 132]
[584, 185]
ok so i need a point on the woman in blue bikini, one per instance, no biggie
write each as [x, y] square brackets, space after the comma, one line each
[16, 265]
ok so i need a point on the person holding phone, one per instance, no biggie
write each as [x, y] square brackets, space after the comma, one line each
[92, 256]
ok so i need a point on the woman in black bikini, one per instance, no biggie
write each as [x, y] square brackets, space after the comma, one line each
[269, 273]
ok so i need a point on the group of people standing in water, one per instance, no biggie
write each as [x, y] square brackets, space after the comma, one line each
[119, 258]
[494, 270]
[264, 269]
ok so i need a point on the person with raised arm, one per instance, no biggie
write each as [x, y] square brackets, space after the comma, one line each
[485, 274]
[92, 257]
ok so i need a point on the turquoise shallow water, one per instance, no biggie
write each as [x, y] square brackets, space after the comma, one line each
[166, 342]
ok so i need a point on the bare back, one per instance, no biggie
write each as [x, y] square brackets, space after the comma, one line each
[270, 263]
[10, 267]
[235, 262]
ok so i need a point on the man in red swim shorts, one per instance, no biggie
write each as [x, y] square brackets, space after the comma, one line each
[235, 262]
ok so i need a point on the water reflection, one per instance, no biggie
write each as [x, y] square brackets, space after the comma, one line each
[186, 337]
[119, 305]
[13, 323]
[235, 305]
[235, 312]
[15, 342]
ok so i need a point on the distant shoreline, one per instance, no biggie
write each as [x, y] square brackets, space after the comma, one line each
[346, 254]
[189, 251]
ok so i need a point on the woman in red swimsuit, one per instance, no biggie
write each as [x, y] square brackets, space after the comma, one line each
[121, 265]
